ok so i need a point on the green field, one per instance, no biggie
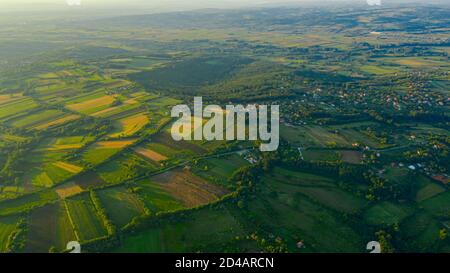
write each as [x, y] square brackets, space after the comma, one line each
[16, 107]
[191, 73]
[188, 148]
[318, 188]
[439, 205]
[313, 136]
[156, 199]
[49, 227]
[321, 155]
[85, 218]
[428, 190]
[378, 70]
[206, 230]
[124, 168]
[421, 233]
[386, 213]
[74, 140]
[50, 175]
[96, 156]
[301, 211]
[26, 202]
[7, 226]
[101, 151]
[220, 170]
[36, 118]
[162, 149]
[121, 205]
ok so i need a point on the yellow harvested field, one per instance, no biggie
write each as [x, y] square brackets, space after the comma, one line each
[13, 138]
[114, 144]
[44, 180]
[68, 190]
[411, 62]
[9, 98]
[418, 62]
[57, 122]
[105, 100]
[104, 111]
[68, 167]
[131, 101]
[131, 125]
[64, 147]
[152, 155]
[139, 95]
[110, 109]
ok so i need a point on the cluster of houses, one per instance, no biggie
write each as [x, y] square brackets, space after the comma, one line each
[443, 178]
[251, 157]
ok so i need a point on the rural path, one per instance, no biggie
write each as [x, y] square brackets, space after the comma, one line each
[391, 148]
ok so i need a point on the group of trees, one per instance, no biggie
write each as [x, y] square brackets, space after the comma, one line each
[401, 188]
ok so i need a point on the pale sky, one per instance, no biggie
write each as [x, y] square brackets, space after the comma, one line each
[169, 4]
[205, 3]
[147, 4]
[159, 2]
[113, 7]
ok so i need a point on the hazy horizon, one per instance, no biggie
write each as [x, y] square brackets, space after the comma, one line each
[68, 10]
[131, 7]
[170, 5]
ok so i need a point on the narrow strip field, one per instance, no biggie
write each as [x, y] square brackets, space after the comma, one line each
[68, 167]
[33, 120]
[103, 150]
[114, 144]
[56, 122]
[90, 106]
[149, 154]
[68, 189]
